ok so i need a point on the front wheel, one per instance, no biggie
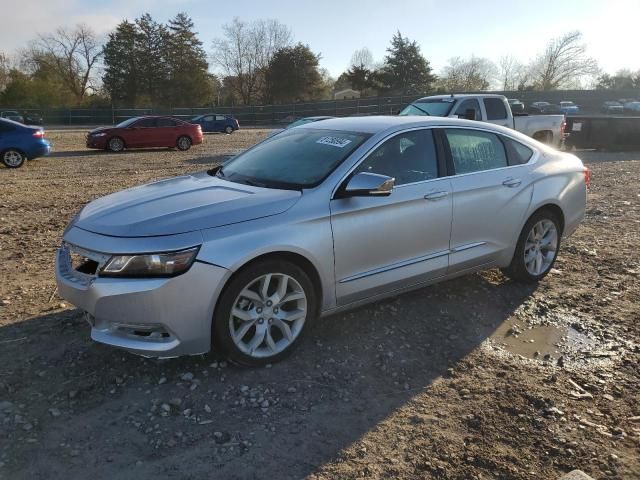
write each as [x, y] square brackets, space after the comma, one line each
[115, 144]
[183, 143]
[537, 248]
[263, 312]
[13, 158]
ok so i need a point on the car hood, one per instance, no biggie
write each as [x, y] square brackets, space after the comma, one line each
[181, 204]
[100, 129]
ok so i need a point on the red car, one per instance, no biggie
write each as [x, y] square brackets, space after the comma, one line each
[142, 132]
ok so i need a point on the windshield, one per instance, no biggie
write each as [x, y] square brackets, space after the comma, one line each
[294, 159]
[127, 122]
[435, 108]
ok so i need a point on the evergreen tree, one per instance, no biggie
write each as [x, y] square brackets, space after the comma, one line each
[189, 82]
[151, 59]
[120, 79]
[293, 75]
[405, 70]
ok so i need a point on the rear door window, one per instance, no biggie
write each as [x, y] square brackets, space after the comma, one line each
[220, 118]
[469, 104]
[495, 109]
[208, 118]
[475, 150]
[166, 122]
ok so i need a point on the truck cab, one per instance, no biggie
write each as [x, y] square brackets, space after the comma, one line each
[490, 108]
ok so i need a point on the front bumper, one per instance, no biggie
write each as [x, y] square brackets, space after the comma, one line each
[96, 142]
[153, 317]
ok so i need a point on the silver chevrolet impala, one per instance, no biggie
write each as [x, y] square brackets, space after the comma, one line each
[321, 218]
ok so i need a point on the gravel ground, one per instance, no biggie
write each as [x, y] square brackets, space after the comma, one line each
[477, 377]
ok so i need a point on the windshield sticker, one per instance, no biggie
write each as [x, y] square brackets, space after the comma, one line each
[334, 141]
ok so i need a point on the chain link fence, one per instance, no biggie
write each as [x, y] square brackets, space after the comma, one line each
[590, 101]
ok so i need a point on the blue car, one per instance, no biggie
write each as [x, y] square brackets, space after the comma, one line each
[20, 142]
[214, 122]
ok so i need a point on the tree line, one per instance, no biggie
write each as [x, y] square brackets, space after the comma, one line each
[144, 63]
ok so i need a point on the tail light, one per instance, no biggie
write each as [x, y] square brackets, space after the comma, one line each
[38, 134]
[587, 177]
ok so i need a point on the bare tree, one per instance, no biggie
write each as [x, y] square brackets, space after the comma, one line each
[5, 68]
[467, 75]
[362, 59]
[564, 63]
[73, 55]
[245, 52]
[513, 74]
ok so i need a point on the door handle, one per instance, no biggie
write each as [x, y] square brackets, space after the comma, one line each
[436, 195]
[512, 182]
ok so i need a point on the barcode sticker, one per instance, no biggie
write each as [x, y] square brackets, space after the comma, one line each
[334, 141]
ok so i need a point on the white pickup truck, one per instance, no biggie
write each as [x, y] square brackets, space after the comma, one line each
[493, 109]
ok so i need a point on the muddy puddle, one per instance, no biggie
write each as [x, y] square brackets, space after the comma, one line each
[554, 339]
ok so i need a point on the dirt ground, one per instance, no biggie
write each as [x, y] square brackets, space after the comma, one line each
[474, 378]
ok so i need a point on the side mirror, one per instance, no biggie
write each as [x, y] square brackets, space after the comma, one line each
[366, 184]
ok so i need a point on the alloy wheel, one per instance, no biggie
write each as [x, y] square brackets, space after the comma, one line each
[268, 315]
[540, 247]
[12, 158]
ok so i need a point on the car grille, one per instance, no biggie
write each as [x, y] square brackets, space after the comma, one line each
[79, 265]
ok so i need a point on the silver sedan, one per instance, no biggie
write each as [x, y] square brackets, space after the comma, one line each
[319, 219]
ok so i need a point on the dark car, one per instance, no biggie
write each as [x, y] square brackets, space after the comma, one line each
[298, 122]
[516, 105]
[214, 122]
[612, 107]
[12, 115]
[19, 142]
[142, 132]
[33, 119]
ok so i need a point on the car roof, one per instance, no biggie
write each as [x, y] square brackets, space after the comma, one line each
[377, 124]
[461, 95]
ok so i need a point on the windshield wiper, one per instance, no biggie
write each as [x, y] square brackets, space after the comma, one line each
[423, 111]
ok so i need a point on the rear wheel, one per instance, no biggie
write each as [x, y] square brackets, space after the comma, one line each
[537, 248]
[115, 144]
[262, 314]
[183, 143]
[13, 158]
[228, 130]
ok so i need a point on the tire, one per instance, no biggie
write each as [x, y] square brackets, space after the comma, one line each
[251, 328]
[115, 144]
[183, 143]
[228, 130]
[536, 250]
[13, 158]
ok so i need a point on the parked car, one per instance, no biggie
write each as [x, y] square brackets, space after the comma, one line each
[612, 107]
[536, 107]
[569, 108]
[12, 115]
[551, 109]
[298, 122]
[493, 109]
[142, 132]
[318, 219]
[632, 107]
[20, 142]
[517, 106]
[33, 119]
[214, 122]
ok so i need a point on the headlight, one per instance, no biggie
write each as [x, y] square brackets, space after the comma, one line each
[101, 134]
[167, 264]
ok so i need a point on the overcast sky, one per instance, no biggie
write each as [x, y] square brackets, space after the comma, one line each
[490, 28]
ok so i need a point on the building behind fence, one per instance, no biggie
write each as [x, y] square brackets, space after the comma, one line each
[590, 101]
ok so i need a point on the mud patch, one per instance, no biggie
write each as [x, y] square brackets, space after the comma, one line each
[553, 337]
